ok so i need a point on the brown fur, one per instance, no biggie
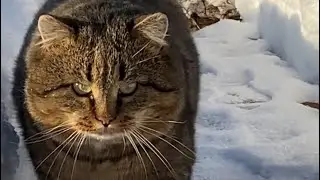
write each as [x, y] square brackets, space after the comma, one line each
[142, 133]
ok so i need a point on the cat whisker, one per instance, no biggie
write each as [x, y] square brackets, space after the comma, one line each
[53, 134]
[144, 60]
[160, 156]
[47, 131]
[138, 135]
[153, 130]
[137, 152]
[77, 153]
[164, 140]
[70, 136]
[124, 144]
[141, 49]
[135, 136]
[65, 156]
[174, 122]
[147, 59]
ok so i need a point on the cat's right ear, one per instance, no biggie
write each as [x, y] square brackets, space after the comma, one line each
[52, 30]
[153, 27]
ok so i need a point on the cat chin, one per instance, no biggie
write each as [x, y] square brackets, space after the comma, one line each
[105, 136]
[99, 142]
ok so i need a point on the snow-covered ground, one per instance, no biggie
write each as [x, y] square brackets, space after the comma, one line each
[291, 28]
[250, 124]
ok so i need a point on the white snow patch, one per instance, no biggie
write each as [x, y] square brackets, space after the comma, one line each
[250, 124]
[291, 28]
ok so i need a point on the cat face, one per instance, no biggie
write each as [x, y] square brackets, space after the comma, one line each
[104, 82]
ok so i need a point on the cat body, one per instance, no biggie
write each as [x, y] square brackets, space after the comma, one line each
[108, 90]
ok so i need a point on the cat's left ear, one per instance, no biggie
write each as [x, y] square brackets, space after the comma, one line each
[52, 30]
[153, 27]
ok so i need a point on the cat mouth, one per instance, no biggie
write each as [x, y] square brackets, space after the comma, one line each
[110, 132]
[105, 135]
[98, 129]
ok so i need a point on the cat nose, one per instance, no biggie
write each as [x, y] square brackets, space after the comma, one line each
[104, 119]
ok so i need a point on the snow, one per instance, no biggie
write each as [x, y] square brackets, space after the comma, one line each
[291, 28]
[16, 15]
[250, 125]
[250, 121]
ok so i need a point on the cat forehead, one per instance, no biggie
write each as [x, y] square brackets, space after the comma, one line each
[112, 31]
[56, 30]
[75, 43]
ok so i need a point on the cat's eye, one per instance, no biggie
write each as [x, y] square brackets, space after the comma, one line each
[81, 89]
[127, 88]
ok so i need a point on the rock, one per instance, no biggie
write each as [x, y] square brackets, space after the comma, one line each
[311, 104]
[202, 13]
[201, 22]
[9, 146]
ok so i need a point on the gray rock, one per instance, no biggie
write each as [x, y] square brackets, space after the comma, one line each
[9, 146]
[202, 13]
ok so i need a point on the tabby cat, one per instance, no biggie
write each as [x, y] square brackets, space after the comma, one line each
[108, 90]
